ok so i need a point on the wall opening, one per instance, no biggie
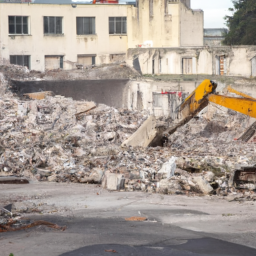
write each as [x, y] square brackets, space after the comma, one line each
[254, 66]
[151, 8]
[53, 62]
[139, 101]
[153, 67]
[86, 60]
[187, 66]
[222, 65]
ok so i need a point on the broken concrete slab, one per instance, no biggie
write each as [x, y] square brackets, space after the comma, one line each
[113, 181]
[203, 184]
[144, 135]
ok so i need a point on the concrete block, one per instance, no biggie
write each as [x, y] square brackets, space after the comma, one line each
[113, 181]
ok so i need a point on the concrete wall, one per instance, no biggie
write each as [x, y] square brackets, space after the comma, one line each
[149, 87]
[205, 60]
[133, 94]
[99, 91]
[191, 26]
[150, 24]
[69, 45]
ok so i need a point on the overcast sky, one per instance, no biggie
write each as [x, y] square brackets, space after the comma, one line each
[214, 11]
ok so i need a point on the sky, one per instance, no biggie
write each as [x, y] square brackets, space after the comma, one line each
[214, 11]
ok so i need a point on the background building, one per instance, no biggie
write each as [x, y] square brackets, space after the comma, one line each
[214, 36]
[52, 36]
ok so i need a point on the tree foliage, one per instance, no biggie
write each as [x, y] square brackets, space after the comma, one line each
[242, 24]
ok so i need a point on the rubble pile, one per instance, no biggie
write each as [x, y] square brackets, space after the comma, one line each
[215, 136]
[58, 139]
[55, 135]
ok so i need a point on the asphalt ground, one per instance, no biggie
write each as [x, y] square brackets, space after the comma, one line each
[96, 225]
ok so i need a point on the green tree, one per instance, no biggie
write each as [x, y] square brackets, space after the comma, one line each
[242, 24]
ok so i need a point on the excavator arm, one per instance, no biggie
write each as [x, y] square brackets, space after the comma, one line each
[204, 94]
[243, 105]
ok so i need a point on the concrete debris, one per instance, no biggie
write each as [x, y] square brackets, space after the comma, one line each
[58, 139]
[168, 168]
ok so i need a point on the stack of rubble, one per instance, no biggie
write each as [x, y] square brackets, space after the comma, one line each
[58, 139]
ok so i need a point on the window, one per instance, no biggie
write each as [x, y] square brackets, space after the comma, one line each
[22, 60]
[53, 62]
[187, 66]
[18, 25]
[117, 25]
[85, 25]
[157, 100]
[86, 60]
[52, 25]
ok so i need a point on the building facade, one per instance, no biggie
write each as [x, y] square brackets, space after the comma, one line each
[220, 60]
[51, 36]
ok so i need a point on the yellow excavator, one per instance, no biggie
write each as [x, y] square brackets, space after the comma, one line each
[205, 93]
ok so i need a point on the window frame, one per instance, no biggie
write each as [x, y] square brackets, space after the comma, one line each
[92, 24]
[123, 18]
[21, 25]
[55, 25]
[23, 60]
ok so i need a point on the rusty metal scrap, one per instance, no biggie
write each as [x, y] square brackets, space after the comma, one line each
[8, 227]
[244, 177]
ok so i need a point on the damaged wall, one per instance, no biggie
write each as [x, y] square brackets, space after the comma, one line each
[191, 27]
[99, 91]
[132, 94]
[226, 60]
[162, 23]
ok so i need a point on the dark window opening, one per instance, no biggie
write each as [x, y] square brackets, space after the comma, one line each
[151, 8]
[61, 61]
[85, 25]
[93, 60]
[52, 25]
[22, 60]
[18, 25]
[117, 25]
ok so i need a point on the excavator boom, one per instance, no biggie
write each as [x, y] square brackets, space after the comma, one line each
[204, 94]
[230, 89]
[243, 105]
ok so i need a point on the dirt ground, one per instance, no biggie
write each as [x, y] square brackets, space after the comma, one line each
[95, 221]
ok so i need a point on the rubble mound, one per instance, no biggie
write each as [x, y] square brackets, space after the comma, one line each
[58, 139]
[56, 134]
[215, 136]
[105, 71]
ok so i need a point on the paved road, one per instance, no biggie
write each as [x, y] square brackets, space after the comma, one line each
[95, 220]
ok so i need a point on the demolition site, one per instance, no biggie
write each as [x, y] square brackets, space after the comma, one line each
[113, 143]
